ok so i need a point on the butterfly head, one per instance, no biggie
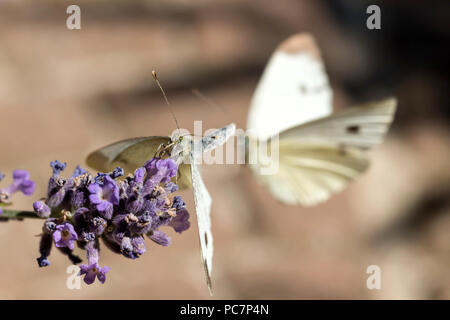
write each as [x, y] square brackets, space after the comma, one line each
[180, 147]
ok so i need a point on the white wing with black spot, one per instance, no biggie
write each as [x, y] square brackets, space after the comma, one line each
[203, 203]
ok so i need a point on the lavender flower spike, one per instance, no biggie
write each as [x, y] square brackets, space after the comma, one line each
[65, 236]
[104, 196]
[120, 212]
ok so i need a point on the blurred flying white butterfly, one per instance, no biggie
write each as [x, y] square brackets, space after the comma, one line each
[319, 152]
[132, 153]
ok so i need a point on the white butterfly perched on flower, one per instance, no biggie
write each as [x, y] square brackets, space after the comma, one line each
[319, 152]
[132, 153]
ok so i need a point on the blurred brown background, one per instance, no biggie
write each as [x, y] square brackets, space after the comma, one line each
[64, 93]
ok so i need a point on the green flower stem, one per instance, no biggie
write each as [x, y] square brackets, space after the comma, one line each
[5, 204]
[15, 214]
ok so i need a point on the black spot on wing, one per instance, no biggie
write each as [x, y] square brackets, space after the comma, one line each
[353, 129]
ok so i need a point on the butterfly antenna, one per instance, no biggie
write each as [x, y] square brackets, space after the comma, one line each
[165, 98]
[207, 100]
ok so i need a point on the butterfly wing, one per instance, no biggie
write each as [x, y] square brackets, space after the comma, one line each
[362, 127]
[202, 200]
[310, 173]
[202, 197]
[217, 137]
[293, 89]
[131, 154]
[320, 158]
[128, 154]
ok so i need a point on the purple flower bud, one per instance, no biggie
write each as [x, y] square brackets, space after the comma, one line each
[78, 199]
[118, 235]
[159, 237]
[43, 262]
[150, 206]
[159, 221]
[138, 245]
[117, 172]
[123, 189]
[49, 226]
[134, 204]
[126, 247]
[178, 203]
[57, 198]
[54, 184]
[97, 225]
[45, 246]
[41, 209]
[92, 252]
[79, 171]
[145, 217]
[170, 187]
[139, 175]
[87, 236]
[57, 167]
[99, 178]
[148, 187]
